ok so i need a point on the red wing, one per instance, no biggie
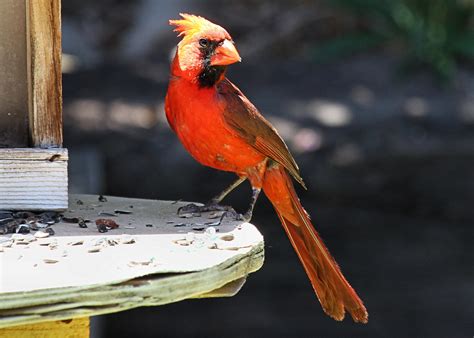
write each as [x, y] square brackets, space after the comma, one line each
[242, 116]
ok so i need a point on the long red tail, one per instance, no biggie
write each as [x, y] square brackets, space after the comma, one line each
[334, 292]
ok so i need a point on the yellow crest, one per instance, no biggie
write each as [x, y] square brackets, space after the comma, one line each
[191, 24]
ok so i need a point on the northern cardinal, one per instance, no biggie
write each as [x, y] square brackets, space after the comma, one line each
[222, 129]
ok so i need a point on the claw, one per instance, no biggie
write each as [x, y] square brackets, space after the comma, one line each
[189, 209]
[235, 216]
[196, 210]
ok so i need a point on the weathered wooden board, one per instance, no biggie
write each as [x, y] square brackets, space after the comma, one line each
[44, 67]
[33, 179]
[64, 276]
[13, 79]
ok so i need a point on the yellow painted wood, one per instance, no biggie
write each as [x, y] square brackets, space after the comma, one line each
[75, 328]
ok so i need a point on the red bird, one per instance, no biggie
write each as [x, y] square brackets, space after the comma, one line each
[222, 129]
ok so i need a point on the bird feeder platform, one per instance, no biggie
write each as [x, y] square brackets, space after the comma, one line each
[153, 257]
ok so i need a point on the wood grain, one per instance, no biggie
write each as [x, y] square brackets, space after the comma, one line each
[44, 66]
[13, 79]
[33, 179]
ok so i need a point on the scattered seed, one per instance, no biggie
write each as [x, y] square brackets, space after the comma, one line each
[127, 239]
[41, 225]
[45, 241]
[108, 214]
[78, 242]
[227, 237]
[41, 234]
[102, 228]
[149, 225]
[112, 241]
[74, 220]
[50, 261]
[143, 263]
[213, 223]
[198, 229]
[94, 249]
[79, 202]
[6, 244]
[23, 239]
[123, 212]
[23, 229]
[23, 214]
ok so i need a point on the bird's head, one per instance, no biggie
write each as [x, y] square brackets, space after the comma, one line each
[204, 51]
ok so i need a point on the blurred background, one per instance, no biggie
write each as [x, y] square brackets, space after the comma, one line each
[375, 99]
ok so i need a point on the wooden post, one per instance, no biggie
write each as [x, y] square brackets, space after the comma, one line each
[31, 107]
[44, 69]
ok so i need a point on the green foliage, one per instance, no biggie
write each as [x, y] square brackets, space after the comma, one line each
[437, 33]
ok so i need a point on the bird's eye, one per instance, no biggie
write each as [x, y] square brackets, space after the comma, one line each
[203, 42]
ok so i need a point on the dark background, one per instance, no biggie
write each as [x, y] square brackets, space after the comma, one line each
[376, 101]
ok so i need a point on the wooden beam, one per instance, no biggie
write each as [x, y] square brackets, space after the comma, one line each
[44, 67]
[13, 79]
[33, 179]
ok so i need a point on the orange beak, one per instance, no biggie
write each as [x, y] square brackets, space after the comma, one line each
[225, 54]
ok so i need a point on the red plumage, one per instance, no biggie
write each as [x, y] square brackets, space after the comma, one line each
[222, 129]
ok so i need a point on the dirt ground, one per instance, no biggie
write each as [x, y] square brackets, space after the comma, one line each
[389, 165]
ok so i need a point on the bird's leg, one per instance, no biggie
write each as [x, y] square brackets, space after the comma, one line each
[218, 199]
[213, 204]
[247, 216]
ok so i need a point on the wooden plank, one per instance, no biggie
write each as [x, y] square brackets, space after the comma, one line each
[13, 79]
[163, 264]
[77, 328]
[44, 67]
[34, 154]
[33, 179]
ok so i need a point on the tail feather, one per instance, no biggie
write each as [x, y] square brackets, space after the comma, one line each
[333, 291]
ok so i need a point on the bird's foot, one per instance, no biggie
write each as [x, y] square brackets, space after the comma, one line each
[196, 210]
[236, 216]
